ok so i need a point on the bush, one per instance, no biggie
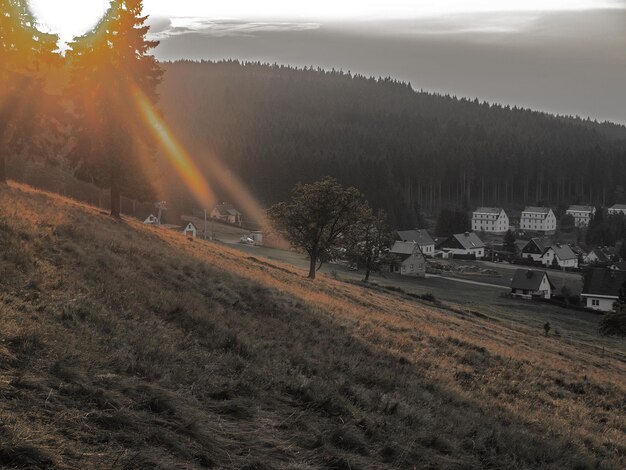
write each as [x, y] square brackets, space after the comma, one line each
[614, 323]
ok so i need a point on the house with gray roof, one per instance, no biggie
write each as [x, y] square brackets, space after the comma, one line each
[530, 283]
[561, 255]
[407, 259]
[463, 244]
[617, 209]
[603, 287]
[419, 236]
[490, 219]
[582, 215]
[227, 213]
[538, 219]
[599, 256]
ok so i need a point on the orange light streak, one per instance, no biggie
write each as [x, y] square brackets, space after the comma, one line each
[239, 193]
[191, 173]
[175, 152]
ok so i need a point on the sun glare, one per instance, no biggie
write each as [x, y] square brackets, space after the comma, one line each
[68, 18]
[185, 166]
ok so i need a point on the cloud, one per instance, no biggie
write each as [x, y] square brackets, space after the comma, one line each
[222, 28]
[563, 62]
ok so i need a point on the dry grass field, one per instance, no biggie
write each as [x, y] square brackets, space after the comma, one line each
[124, 346]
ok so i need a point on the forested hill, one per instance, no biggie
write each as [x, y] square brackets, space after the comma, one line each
[275, 126]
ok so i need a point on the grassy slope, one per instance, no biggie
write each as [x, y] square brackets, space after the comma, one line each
[125, 346]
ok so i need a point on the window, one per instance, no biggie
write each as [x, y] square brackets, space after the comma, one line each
[595, 302]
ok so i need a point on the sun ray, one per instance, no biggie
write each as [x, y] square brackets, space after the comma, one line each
[191, 174]
[178, 157]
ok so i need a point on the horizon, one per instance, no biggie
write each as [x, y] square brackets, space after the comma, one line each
[545, 56]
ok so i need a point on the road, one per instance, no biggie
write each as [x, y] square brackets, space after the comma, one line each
[572, 280]
[466, 281]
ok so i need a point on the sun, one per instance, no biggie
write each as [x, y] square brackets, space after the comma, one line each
[68, 18]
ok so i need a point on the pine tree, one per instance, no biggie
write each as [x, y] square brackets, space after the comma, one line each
[109, 67]
[25, 53]
[509, 242]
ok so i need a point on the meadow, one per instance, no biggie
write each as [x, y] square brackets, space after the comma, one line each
[128, 346]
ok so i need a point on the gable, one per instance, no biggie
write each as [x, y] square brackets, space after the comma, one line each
[533, 247]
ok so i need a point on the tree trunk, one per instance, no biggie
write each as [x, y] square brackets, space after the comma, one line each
[313, 267]
[3, 171]
[367, 275]
[116, 198]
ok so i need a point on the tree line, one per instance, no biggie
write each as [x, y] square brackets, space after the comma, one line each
[408, 151]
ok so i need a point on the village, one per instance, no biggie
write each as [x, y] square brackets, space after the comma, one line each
[532, 257]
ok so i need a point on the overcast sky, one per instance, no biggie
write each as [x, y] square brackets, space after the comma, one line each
[562, 56]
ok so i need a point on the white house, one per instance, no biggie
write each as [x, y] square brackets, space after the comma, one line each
[598, 255]
[490, 219]
[538, 219]
[226, 213]
[582, 215]
[617, 209]
[151, 220]
[602, 288]
[419, 236]
[408, 259]
[563, 254]
[190, 230]
[528, 283]
[463, 244]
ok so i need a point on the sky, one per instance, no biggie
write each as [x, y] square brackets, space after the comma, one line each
[560, 56]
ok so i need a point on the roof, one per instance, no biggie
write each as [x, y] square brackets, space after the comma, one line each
[529, 279]
[488, 210]
[604, 282]
[536, 210]
[227, 209]
[581, 209]
[603, 258]
[620, 207]
[469, 240]
[542, 243]
[563, 252]
[403, 248]
[421, 237]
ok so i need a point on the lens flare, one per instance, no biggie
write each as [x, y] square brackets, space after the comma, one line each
[175, 152]
[191, 174]
[240, 196]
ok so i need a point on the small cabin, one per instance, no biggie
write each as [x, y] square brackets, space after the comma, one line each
[151, 220]
[529, 284]
[407, 259]
[463, 245]
[190, 231]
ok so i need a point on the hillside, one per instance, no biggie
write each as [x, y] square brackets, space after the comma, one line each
[275, 126]
[126, 346]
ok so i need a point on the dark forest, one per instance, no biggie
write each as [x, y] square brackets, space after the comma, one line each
[407, 151]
